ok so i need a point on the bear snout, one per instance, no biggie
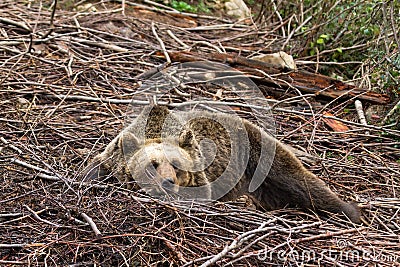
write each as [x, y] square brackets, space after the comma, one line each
[167, 173]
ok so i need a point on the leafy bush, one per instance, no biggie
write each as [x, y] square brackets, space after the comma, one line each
[183, 6]
[342, 31]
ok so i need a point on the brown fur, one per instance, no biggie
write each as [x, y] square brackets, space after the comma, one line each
[186, 138]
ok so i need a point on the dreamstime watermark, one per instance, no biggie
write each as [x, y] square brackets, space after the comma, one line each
[340, 254]
[238, 90]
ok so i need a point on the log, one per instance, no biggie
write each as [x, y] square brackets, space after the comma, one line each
[307, 82]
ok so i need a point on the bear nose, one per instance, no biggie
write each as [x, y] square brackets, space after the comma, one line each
[168, 182]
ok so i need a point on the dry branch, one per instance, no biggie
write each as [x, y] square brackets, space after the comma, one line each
[237, 242]
[37, 217]
[15, 23]
[92, 224]
[305, 81]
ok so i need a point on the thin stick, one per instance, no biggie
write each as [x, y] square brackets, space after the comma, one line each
[164, 50]
[92, 224]
[53, 12]
[390, 114]
[18, 24]
[37, 217]
[4, 141]
[123, 7]
[179, 41]
[235, 244]
[329, 235]
[360, 113]
[9, 263]
[29, 166]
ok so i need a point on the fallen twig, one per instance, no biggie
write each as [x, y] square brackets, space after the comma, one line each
[92, 224]
[163, 49]
[37, 217]
[15, 23]
[360, 113]
[238, 241]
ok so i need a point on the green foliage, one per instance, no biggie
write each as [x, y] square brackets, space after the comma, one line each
[346, 30]
[183, 6]
[387, 70]
[319, 44]
[330, 154]
[348, 23]
[202, 7]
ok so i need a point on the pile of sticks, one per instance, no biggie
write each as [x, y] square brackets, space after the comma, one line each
[67, 82]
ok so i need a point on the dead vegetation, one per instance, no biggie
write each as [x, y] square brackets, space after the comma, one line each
[65, 87]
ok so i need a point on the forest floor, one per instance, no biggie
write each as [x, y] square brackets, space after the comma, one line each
[66, 87]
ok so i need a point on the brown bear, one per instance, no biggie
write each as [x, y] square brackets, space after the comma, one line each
[213, 156]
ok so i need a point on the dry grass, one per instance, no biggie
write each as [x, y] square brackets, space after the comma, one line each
[63, 96]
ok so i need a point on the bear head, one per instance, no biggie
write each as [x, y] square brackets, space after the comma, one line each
[165, 166]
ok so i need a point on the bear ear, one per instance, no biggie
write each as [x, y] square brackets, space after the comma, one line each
[128, 143]
[186, 139]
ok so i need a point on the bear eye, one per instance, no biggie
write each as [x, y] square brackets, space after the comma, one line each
[154, 164]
